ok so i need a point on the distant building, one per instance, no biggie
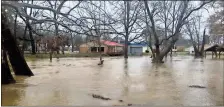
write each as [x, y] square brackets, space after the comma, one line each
[191, 48]
[107, 47]
[137, 48]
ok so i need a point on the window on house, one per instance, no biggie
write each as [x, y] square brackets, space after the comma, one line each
[93, 49]
[101, 49]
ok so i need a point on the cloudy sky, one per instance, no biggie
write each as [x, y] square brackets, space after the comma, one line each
[70, 4]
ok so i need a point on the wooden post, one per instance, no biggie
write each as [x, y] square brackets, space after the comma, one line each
[219, 54]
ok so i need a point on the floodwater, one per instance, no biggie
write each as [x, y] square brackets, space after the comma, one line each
[71, 81]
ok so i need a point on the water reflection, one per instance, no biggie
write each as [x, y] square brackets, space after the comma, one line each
[11, 96]
[134, 80]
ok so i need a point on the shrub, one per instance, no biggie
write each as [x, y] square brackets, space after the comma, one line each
[146, 51]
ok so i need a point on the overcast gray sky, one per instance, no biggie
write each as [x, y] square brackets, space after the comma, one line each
[204, 13]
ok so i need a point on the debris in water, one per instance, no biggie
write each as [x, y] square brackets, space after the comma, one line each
[176, 60]
[100, 97]
[101, 62]
[120, 100]
[196, 86]
[69, 64]
[129, 104]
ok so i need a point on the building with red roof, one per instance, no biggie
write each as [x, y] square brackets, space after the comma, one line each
[107, 47]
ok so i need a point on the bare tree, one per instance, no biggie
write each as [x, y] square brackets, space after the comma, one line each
[94, 26]
[197, 38]
[127, 18]
[216, 23]
[17, 61]
[182, 11]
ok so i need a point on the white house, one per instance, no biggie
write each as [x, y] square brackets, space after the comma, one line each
[190, 50]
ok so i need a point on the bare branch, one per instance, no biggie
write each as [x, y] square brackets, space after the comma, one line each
[74, 7]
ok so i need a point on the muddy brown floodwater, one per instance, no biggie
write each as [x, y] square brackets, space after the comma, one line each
[71, 81]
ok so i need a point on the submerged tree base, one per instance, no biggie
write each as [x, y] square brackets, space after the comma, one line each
[157, 60]
[16, 59]
[7, 77]
[198, 55]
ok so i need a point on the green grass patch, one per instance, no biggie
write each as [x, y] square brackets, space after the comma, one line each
[29, 57]
[146, 54]
[178, 53]
[182, 53]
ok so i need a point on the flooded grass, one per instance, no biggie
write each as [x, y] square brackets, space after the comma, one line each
[30, 57]
[135, 81]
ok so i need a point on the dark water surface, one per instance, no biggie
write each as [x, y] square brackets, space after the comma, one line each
[70, 81]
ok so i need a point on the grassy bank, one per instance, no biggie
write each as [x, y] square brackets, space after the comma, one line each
[178, 53]
[44, 56]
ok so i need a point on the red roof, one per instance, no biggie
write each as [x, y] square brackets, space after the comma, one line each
[109, 43]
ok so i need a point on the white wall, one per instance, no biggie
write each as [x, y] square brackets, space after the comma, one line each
[145, 48]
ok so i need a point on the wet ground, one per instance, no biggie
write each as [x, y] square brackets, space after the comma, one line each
[71, 81]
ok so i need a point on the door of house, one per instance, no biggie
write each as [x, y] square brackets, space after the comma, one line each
[136, 50]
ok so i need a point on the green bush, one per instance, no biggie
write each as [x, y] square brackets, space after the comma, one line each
[146, 51]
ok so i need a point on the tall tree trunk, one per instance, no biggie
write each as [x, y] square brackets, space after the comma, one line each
[56, 26]
[23, 45]
[7, 77]
[149, 40]
[36, 46]
[50, 53]
[63, 49]
[165, 24]
[45, 48]
[197, 53]
[30, 32]
[17, 61]
[170, 45]
[150, 43]
[72, 43]
[203, 43]
[15, 25]
[126, 19]
[126, 47]
[56, 32]
[158, 58]
[99, 50]
[31, 39]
